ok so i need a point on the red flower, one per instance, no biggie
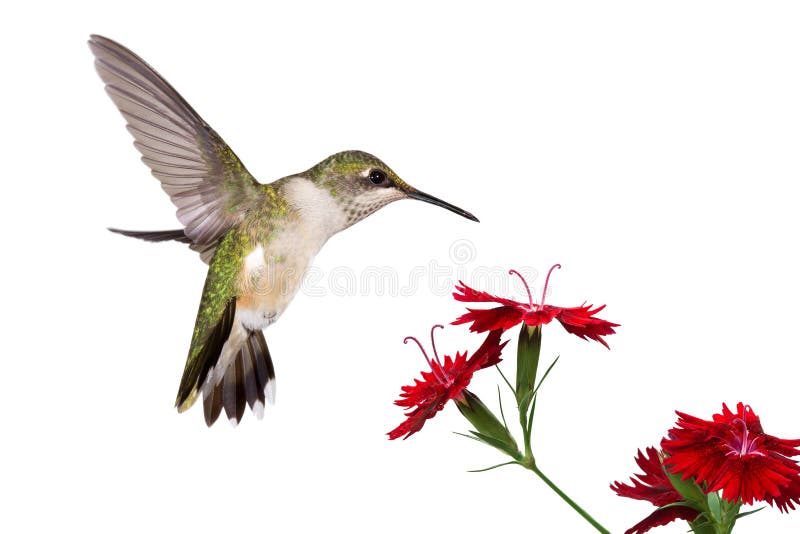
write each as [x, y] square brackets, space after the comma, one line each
[733, 454]
[579, 320]
[447, 380]
[654, 486]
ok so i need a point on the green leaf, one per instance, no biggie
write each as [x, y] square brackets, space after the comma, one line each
[702, 525]
[730, 511]
[714, 506]
[529, 346]
[688, 489]
[677, 504]
[513, 392]
[467, 436]
[500, 402]
[485, 421]
[547, 372]
[529, 428]
[750, 512]
[497, 444]
[533, 394]
[525, 402]
[492, 467]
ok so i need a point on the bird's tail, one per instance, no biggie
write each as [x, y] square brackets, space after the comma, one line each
[206, 250]
[248, 379]
[155, 235]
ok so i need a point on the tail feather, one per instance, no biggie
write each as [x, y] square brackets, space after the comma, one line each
[248, 380]
[265, 371]
[212, 406]
[206, 250]
[240, 393]
[233, 399]
[155, 235]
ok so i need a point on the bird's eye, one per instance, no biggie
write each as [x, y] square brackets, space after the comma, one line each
[377, 176]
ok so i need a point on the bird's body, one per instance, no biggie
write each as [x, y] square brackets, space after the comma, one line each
[258, 239]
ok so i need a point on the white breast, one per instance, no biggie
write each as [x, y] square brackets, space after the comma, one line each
[274, 271]
[322, 216]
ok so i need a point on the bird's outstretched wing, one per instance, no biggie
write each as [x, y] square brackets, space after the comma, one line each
[203, 177]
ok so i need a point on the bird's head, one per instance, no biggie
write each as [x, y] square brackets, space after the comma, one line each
[361, 184]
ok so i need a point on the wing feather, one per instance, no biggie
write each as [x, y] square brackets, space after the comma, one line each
[206, 181]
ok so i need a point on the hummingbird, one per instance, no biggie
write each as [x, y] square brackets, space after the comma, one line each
[258, 239]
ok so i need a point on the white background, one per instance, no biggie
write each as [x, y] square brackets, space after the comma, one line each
[652, 149]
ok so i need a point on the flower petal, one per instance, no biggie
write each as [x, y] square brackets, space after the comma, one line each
[790, 495]
[538, 317]
[424, 399]
[663, 516]
[652, 485]
[488, 354]
[500, 318]
[464, 293]
[415, 420]
[581, 321]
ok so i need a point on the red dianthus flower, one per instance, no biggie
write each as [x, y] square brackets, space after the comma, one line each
[733, 454]
[447, 380]
[578, 320]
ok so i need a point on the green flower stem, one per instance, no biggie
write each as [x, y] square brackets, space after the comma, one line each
[526, 434]
[531, 464]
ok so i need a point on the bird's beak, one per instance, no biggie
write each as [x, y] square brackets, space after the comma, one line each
[425, 197]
